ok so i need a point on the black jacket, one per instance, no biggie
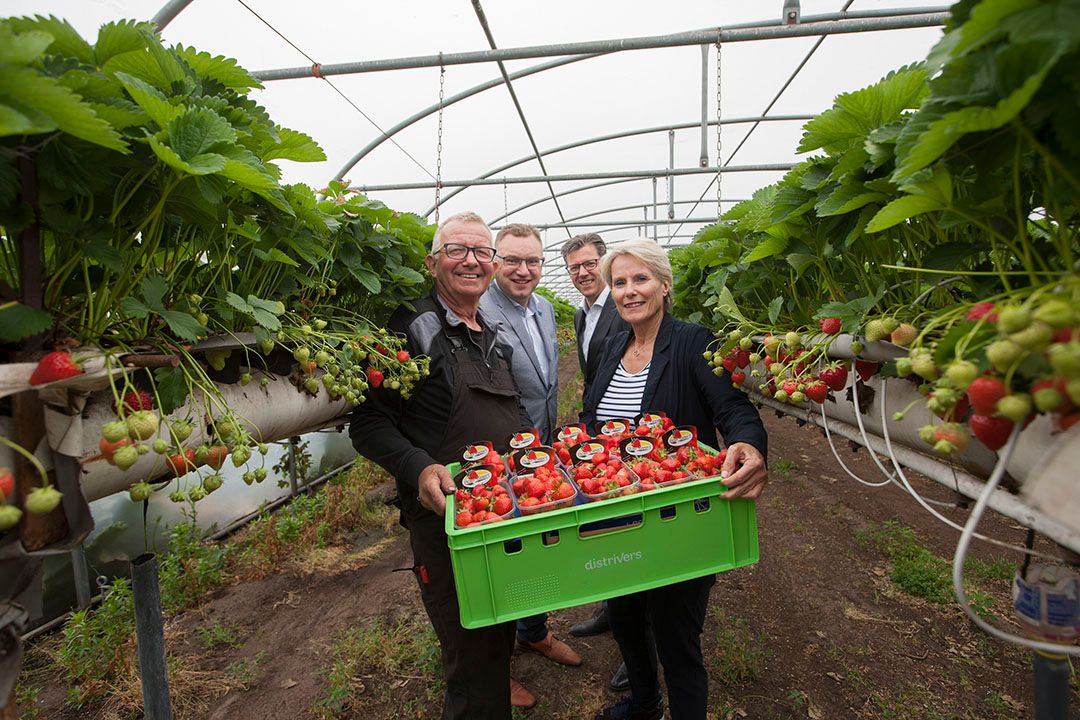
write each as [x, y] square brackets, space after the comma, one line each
[609, 323]
[404, 436]
[681, 383]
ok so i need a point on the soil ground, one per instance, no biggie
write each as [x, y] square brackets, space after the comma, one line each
[818, 629]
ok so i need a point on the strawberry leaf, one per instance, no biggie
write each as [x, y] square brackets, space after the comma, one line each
[172, 388]
[18, 321]
[182, 324]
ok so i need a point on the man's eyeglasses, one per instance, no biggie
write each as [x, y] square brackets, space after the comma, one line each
[533, 263]
[456, 251]
[589, 265]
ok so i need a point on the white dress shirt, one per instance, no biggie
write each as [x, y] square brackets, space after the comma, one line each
[592, 316]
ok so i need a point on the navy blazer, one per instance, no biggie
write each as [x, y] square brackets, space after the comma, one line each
[681, 383]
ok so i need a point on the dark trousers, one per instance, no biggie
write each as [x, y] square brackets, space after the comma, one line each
[665, 623]
[476, 663]
[533, 628]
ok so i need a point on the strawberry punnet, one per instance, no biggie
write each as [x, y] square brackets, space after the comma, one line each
[58, 365]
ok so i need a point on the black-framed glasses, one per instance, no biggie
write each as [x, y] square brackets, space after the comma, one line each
[589, 265]
[457, 251]
[533, 263]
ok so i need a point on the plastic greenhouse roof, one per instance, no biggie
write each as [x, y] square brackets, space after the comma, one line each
[613, 93]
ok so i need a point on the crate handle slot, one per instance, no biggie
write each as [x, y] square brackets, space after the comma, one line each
[668, 512]
[610, 525]
[549, 537]
[702, 505]
[512, 547]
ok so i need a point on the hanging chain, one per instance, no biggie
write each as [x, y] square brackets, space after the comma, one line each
[719, 134]
[438, 145]
[506, 201]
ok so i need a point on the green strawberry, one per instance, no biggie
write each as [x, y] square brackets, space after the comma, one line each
[1015, 407]
[1003, 354]
[903, 366]
[240, 455]
[177, 496]
[196, 493]
[924, 366]
[793, 340]
[114, 431]
[9, 516]
[856, 347]
[301, 354]
[1072, 389]
[1065, 359]
[312, 385]
[1013, 318]
[266, 346]
[248, 477]
[1056, 313]
[142, 424]
[245, 378]
[142, 449]
[42, 500]
[878, 329]
[160, 446]
[181, 430]
[1035, 336]
[140, 491]
[211, 483]
[125, 457]
[260, 474]
[960, 373]
[216, 358]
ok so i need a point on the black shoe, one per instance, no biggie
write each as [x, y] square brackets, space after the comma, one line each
[624, 710]
[620, 680]
[593, 626]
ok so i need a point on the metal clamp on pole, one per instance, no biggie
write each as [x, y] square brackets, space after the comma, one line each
[150, 635]
[792, 13]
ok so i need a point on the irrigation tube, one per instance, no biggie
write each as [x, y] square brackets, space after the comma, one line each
[812, 25]
[952, 478]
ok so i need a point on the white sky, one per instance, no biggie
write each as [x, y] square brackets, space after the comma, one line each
[615, 93]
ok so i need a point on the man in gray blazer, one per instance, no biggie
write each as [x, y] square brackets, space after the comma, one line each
[527, 324]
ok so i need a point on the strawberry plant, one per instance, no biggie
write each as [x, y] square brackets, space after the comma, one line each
[938, 214]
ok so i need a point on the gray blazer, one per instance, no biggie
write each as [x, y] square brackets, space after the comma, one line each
[539, 394]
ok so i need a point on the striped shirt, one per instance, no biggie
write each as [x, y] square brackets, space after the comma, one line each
[622, 399]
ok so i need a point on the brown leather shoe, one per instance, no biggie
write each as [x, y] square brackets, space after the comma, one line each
[554, 649]
[519, 696]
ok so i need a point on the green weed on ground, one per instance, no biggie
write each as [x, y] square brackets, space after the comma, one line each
[783, 468]
[916, 570]
[737, 655]
[370, 661]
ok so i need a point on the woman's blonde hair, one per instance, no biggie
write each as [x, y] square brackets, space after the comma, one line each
[649, 254]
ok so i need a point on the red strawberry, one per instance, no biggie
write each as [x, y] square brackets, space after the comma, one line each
[58, 365]
[108, 449]
[737, 379]
[835, 376]
[866, 369]
[1067, 421]
[7, 484]
[181, 463]
[817, 391]
[375, 377]
[830, 325]
[993, 432]
[730, 363]
[215, 456]
[982, 311]
[984, 393]
[403, 357]
[135, 401]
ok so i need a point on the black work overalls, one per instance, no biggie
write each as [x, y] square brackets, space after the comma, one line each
[476, 663]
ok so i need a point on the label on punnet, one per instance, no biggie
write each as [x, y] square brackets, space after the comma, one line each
[584, 451]
[615, 427]
[524, 438]
[636, 447]
[527, 460]
[475, 476]
[475, 452]
[681, 436]
[571, 434]
[651, 420]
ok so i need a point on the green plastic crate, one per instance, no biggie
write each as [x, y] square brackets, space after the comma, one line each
[528, 565]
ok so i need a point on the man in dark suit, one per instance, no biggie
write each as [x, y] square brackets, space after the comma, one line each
[595, 321]
[596, 318]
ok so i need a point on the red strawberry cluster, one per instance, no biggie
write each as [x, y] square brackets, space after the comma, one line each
[482, 504]
[604, 476]
[660, 468]
[494, 459]
[544, 489]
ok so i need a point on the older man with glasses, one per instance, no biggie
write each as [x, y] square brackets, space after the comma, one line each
[469, 395]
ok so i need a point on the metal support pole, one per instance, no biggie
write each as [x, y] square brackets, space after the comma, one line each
[1051, 686]
[703, 160]
[654, 208]
[293, 484]
[82, 577]
[671, 177]
[150, 637]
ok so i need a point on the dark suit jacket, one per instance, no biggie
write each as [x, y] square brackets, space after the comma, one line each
[681, 383]
[607, 325]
